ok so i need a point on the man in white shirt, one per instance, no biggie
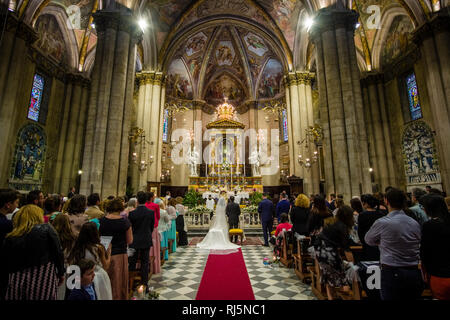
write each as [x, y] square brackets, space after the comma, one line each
[210, 205]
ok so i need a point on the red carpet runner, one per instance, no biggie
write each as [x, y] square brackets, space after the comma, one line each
[225, 278]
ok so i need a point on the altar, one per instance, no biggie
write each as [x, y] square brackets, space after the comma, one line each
[226, 165]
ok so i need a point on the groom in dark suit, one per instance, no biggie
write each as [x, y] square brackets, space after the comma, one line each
[233, 212]
[142, 223]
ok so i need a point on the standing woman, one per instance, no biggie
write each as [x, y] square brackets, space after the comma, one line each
[155, 249]
[67, 238]
[88, 247]
[173, 214]
[32, 257]
[319, 217]
[76, 210]
[357, 207]
[180, 223]
[163, 227]
[435, 246]
[299, 215]
[120, 229]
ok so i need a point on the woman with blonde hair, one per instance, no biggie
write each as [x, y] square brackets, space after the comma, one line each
[32, 257]
[299, 215]
[163, 227]
[119, 228]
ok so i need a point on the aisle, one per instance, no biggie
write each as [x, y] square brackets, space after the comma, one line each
[181, 276]
[225, 278]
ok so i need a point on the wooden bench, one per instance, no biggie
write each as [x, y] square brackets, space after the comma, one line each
[301, 260]
[355, 292]
[317, 288]
[286, 252]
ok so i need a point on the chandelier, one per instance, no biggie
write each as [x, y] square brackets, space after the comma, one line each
[137, 137]
[313, 137]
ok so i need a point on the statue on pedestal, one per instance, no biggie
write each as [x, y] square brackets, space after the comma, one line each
[255, 161]
[192, 161]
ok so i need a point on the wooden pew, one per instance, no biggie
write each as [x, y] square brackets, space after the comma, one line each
[286, 252]
[301, 260]
[355, 292]
[317, 288]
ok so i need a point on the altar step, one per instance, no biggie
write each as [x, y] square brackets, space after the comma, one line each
[202, 232]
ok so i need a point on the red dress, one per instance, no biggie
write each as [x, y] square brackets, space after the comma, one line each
[282, 226]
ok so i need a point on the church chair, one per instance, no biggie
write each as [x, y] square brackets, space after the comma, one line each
[355, 292]
[302, 259]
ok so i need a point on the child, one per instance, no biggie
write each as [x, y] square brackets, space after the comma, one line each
[87, 290]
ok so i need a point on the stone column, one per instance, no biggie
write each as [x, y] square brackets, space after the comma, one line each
[377, 123]
[13, 57]
[341, 102]
[433, 38]
[109, 103]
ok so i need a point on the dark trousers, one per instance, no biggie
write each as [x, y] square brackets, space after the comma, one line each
[234, 225]
[267, 229]
[143, 256]
[401, 284]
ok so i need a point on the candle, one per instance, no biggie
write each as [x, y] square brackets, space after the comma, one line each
[141, 292]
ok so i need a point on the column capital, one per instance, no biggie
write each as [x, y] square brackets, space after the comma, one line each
[159, 79]
[290, 79]
[305, 77]
[440, 22]
[372, 78]
[145, 77]
[330, 18]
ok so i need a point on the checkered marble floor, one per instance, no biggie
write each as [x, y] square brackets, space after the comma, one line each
[180, 276]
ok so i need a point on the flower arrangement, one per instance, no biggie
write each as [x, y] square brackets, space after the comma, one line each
[199, 209]
[274, 262]
[250, 209]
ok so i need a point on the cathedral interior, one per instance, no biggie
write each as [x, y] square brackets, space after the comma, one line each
[335, 96]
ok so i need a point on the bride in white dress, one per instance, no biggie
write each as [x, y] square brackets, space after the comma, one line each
[217, 237]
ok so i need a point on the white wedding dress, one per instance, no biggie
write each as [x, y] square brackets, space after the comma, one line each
[217, 237]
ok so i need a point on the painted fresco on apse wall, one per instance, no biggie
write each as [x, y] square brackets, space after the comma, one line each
[196, 43]
[255, 44]
[225, 53]
[50, 39]
[270, 82]
[396, 43]
[78, 11]
[178, 84]
[223, 87]
[29, 158]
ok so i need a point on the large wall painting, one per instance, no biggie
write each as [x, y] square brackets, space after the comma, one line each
[255, 44]
[78, 11]
[223, 87]
[421, 165]
[50, 39]
[29, 158]
[225, 53]
[270, 82]
[396, 43]
[178, 83]
[196, 44]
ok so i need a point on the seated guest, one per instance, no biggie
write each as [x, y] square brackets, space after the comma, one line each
[319, 216]
[435, 246]
[32, 251]
[398, 238]
[93, 211]
[142, 222]
[88, 246]
[284, 224]
[365, 221]
[87, 287]
[76, 211]
[180, 223]
[67, 238]
[52, 207]
[119, 228]
[329, 242]
[9, 200]
[417, 210]
[299, 215]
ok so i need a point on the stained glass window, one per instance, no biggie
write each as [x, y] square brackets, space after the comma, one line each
[285, 125]
[36, 97]
[413, 97]
[165, 134]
